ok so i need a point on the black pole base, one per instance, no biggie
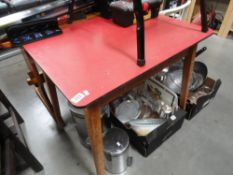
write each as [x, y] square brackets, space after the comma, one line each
[141, 62]
[204, 22]
[204, 29]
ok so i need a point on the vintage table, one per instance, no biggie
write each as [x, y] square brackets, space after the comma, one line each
[94, 62]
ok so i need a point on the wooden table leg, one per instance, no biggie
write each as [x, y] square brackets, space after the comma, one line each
[37, 79]
[93, 121]
[187, 75]
[54, 100]
[41, 93]
[227, 22]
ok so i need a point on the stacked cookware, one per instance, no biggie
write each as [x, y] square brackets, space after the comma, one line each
[202, 89]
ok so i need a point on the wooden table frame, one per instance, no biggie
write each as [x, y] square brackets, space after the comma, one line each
[38, 79]
[93, 110]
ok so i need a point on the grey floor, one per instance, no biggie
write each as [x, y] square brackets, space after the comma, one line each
[204, 146]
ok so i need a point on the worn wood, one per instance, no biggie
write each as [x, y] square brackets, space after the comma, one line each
[227, 22]
[20, 148]
[27, 156]
[38, 79]
[9, 156]
[54, 101]
[5, 116]
[33, 71]
[44, 99]
[8, 105]
[18, 128]
[187, 75]
[232, 27]
[190, 11]
[33, 80]
[93, 121]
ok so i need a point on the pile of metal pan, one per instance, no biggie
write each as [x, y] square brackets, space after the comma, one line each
[202, 89]
[150, 113]
[172, 78]
[146, 108]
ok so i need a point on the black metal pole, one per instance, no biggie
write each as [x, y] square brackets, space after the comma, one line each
[204, 24]
[140, 32]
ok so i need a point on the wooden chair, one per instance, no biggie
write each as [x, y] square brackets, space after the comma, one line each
[13, 144]
[179, 12]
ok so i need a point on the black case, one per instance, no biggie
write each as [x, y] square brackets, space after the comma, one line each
[124, 17]
[103, 7]
[30, 28]
[147, 144]
[203, 101]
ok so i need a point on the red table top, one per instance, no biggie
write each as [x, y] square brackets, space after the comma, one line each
[94, 57]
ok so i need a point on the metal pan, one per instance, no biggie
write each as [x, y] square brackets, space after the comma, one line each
[173, 78]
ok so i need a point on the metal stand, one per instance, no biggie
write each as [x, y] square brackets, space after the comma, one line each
[140, 32]
[204, 24]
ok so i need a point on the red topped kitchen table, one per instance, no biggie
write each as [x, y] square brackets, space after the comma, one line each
[94, 62]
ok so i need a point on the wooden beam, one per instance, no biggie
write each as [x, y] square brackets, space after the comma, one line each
[231, 28]
[38, 79]
[54, 101]
[227, 21]
[10, 163]
[190, 11]
[187, 75]
[93, 122]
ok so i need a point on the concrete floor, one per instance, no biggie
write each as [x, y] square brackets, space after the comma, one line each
[204, 145]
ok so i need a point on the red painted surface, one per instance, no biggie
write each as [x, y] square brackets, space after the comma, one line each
[98, 56]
